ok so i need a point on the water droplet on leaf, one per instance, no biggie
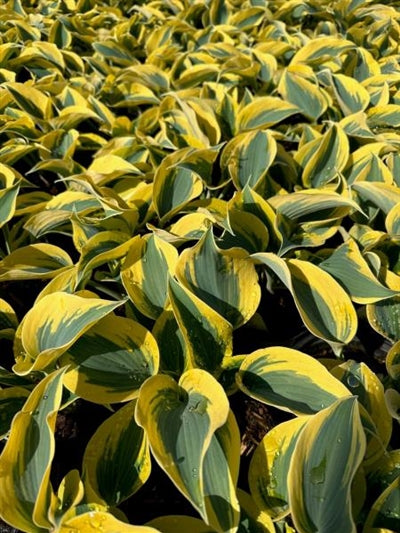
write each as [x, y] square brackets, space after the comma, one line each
[352, 381]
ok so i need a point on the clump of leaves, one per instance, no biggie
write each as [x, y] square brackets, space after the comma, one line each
[201, 198]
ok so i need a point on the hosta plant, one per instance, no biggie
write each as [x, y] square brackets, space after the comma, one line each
[200, 252]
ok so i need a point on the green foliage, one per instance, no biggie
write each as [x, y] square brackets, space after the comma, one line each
[173, 173]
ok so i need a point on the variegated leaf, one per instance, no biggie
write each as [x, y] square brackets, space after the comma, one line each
[180, 421]
[207, 335]
[248, 156]
[264, 112]
[145, 272]
[324, 307]
[224, 280]
[328, 452]
[265, 374]
[25, 490]
[36, 261]
[52, 325]
[352, 271]
[109, 362]
[269, 467]
[116, 462]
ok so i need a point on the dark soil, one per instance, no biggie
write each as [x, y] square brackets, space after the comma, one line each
[5, 528]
